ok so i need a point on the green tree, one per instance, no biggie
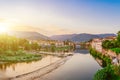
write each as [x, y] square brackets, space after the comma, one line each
[118, 36]
[107, 73]
[35, 46]
[53, 47]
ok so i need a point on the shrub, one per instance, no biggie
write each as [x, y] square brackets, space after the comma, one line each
[108, 73]
[1, 51]
[9, 53]
[105, 59]
[19, 52]
[108, 44]
[116, 50]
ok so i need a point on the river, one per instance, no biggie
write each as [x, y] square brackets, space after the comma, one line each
[81, 66]
[15, 69]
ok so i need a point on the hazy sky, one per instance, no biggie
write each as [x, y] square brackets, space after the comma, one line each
[62, 16]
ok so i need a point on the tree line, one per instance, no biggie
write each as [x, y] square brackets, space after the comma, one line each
[13, 43]
[107, 44]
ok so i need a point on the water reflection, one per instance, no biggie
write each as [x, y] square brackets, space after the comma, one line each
[4, 66]
[64, 51]
[82, 51]
[14, 69]
[81, 66]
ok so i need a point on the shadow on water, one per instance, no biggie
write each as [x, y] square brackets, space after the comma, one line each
[81, 51]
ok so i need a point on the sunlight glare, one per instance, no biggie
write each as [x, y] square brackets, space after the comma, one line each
[3, 28]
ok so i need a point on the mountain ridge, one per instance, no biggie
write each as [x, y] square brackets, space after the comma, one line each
[81, 37]
[72, 37]
[29, 35]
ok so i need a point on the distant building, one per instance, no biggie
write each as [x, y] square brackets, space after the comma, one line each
[97, 44]
[109, 38]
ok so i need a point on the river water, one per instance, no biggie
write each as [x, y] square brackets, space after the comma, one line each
[81, 66]
[15, 69]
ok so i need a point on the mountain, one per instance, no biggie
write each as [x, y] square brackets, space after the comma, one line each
[83, 37]
[29, 35]
[73, 37]
[80, 37]
[63, 37]
[105, 35]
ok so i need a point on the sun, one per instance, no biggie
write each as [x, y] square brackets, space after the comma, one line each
[3, 28]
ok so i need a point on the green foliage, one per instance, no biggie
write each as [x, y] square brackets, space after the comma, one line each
[100, 75]
[66, 42]
[117, 70]
[11, 49]
[116, 50]
[8, 42]
[110, 72]
[53, 47]
[18, 56]
[113, 43]
[105, 59]
[35, 46]
[118, 36]
[107, 73]
[1, 51]
[108, 44]
[15, 44]
[117, 44]
[9, 53]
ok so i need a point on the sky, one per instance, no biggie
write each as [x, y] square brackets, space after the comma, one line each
[55, 17]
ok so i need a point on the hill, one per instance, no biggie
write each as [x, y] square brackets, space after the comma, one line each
[63, 37]
[80, 37]
[106, 35]
[83, 37]
[29, 35]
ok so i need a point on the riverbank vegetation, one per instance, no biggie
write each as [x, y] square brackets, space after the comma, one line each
[65, 48]
[116, 50]
[97, 55]
[113, 45]
[110, 71]
[12, 49]
[85, 45]
[18, 56]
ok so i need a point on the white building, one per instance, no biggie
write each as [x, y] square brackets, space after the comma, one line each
[97, 44]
